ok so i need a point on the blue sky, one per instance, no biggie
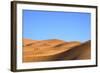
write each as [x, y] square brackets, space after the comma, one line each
[68, 26]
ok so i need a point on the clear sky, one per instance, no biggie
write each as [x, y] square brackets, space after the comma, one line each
[68, 26]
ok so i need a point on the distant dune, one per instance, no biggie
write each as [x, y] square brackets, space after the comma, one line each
[54, 49]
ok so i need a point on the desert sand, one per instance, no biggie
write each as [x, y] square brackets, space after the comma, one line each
[54, 49]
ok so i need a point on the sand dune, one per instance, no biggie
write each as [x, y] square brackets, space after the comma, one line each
[28, 41]
[85, 51]
[50, 50]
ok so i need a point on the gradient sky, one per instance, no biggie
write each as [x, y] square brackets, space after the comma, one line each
[68, 26]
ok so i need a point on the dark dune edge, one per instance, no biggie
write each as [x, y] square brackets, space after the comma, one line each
[86, 51]
[52, 50]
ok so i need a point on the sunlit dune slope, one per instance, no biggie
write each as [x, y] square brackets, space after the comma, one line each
[28, 41]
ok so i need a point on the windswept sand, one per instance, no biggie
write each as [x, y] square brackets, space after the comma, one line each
[54, 49]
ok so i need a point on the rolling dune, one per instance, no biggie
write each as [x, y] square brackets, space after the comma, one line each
[54, 49]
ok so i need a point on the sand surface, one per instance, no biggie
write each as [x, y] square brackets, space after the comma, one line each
[54, 49]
